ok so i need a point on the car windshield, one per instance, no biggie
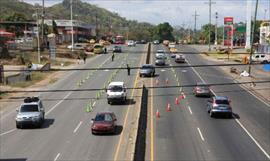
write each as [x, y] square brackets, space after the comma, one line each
[29, 108]
[116, 88]
[224, 102]
[103, 117]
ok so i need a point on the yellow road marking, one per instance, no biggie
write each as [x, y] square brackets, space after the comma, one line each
[125, 120]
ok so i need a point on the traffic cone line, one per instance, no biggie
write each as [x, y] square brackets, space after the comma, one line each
[167, 81]
[176, 101]
[157, 114]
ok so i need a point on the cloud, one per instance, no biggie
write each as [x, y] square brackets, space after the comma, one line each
[176, 12]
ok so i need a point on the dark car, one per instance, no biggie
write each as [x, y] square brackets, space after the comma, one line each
[104, 122]
[219, 105]
[147, 70]
[117, 49]
[202, 90]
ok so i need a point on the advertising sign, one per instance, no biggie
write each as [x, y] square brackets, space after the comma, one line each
[228, 31]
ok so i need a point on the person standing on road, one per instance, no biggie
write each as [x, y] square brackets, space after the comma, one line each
[105, 50]
[112, 56]
[84, 58]
[128, 69]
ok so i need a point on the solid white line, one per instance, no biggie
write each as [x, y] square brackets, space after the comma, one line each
[75, 130]
[58, 103]
[239, 123]
[265, 153]
[57, 156]
[200, 133]
[7, 132]
[189, 110]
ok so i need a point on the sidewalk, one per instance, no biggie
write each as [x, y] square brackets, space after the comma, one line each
[261, 90]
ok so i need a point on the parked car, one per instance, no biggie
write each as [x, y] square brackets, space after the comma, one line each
[171, 45]
[261, 57]
[156, 42]
[202, 90]
[131, 43]
[77, 46]
[219, 105]
[104, 122]
[89, 48]
[116, 92]
[173, 55]
[147, 70]
[31, 112]
[117, 49]
[180, 58]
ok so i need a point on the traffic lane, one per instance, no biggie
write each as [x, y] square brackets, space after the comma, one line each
[61, 114]
[102, 147]
[175, 133]
[226, 140]
[50, 99]
[251, 112]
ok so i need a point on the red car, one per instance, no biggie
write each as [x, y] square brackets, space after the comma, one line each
[104, 122]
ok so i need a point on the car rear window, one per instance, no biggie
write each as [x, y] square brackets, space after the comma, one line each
[29, 108]
[103, 117]
[116, 88]
[224, 102]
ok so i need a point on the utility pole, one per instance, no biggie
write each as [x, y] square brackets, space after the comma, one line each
[210, 14]
[96, 25]
[42, 22]
[71, 19]
[252, 38]
[195, 23]
[248, 28]
[38, 43]
[216, 32]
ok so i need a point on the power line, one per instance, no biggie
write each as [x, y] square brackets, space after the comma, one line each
[124, 68]
[137, 88]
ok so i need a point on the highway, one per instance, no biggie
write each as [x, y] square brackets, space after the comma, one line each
[66, 133]
[187, 132]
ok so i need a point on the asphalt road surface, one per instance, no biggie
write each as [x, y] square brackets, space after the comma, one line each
[66, 133]
[187, 132]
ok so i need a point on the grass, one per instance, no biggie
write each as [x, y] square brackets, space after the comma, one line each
[217, 55]
[35, 77]
[53, 80]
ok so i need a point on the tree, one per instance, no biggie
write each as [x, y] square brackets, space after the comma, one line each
[164, 32]
[15, 17]
[204, 35]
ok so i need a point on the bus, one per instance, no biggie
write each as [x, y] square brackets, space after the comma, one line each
[119, 40]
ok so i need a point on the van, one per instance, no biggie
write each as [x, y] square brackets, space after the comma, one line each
[261, 57]
[116, 92]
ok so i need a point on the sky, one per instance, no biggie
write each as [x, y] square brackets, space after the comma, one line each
[177, 12]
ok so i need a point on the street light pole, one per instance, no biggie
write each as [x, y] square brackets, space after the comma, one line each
[210, 14]
[38, 43]
[71, 19]
[42, 23]
[252, 38]
[195, 25]
[216, 35]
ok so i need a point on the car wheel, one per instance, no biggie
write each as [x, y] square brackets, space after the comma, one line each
[140, 75]
[18, 126]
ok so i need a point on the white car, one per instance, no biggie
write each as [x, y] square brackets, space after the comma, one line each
[76, 47]
[131, 43]
[116, 91]
[261, 57]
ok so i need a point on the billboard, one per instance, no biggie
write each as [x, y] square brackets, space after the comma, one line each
[228, 31]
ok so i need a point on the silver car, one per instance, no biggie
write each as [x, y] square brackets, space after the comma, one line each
[147, 70]
[31, 112]
[219, 105]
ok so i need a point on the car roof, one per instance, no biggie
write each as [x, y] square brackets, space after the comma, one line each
[31, 103]
[116, 84]
[221, 98]
[105, 112]
[160, 50]
[147, 65]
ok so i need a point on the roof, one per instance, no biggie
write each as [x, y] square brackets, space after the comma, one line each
[221, 97]
[116, 84]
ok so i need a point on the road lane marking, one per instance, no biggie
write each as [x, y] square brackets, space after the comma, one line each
[57, 156]
[152, 124]
[189, 110]
[7, 132]
[94, 104]
[253, 139]
[125, 120]
[77, 127]
[200, 133]
[58, 104]
[239, 123]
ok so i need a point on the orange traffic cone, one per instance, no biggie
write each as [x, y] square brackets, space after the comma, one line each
[168, 108]
[182, 96]
[176, 101]
[157, 114]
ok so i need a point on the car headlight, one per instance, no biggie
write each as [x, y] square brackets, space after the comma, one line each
[18, 118]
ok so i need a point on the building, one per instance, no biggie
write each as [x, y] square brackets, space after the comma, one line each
[81, 30]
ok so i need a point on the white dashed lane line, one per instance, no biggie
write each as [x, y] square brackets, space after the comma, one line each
[77, 127]
[189, 108]
[200, 134]
[57, 156]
